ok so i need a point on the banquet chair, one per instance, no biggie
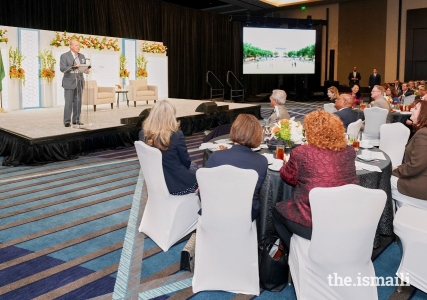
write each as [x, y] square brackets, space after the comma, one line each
[93, 94]
[226, 237]
[345, 220]
[393, 139]
[166, 218]
[410, 225]
[354, 128]
[374, 118]
[408, 100]
[329, 107]
[139, 90]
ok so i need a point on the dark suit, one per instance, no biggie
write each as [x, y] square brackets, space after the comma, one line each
[347, 116]
[242, 157]
[374, 80]
[413, 172]
[176, 163]
[407, 93]
[352, 82]
[73, 84]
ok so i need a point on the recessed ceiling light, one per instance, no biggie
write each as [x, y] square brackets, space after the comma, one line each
[279, 3]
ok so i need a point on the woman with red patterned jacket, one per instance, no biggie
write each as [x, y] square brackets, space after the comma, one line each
[326, 161]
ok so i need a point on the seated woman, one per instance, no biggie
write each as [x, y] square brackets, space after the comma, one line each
[161, 130]
[408, 181]
[391, 95]
[332, 94]
[357, 96]
[246, 133]
[326, 161]
[277, 100]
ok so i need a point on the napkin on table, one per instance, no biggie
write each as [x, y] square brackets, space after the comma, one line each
[360, 166]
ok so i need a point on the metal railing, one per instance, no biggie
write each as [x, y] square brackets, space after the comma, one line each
[240, 91]
[214, 93]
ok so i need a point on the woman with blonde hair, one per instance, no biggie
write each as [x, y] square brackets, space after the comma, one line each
[332, 93]
[325, 161]
[161, 130]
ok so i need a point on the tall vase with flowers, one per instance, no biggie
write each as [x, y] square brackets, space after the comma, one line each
[141, 64]
[48, 64]
[15, 63]
[124, 73]
[287, 132]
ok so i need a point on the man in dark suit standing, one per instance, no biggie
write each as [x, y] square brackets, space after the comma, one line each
[374, 79]
[72, 82]
[344, 112]
[354, 77]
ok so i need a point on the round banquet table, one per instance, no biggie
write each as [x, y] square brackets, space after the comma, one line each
[274, 190]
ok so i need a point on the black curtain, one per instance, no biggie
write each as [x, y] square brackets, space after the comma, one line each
[197, 41]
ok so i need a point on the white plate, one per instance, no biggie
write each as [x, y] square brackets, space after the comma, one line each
[406, 112]
[217, 147]
[271, 167]
[223, 141]
[256, 149]
[263, 146]
[369, 147]
[365, 159]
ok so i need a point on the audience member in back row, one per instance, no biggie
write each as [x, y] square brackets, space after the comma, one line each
[246, 133]
[410, 178]
[344, 111]
[326, 161]
[357, 96]
[421, 93]
[392, 95]
[277, 100]
[332, 93]
[379, 100]
[160, 130]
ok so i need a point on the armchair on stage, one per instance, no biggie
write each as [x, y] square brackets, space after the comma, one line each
[139, 90]
[93, 94]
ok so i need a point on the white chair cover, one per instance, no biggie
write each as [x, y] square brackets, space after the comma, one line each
[329, 107]
[374, 118]
[410, 224]
[393, 139]
[402, 200]
[408, 100]
[226, 239]
[354, 128]
[166, 218]
[345, 219]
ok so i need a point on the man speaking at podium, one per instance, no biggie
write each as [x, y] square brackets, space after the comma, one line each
[72, 82]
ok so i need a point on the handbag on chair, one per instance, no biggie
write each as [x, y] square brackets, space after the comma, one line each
[187, 254]
[273, 266]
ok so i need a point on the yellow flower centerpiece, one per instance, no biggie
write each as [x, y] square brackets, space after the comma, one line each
[15, 62]
[62, 39]
[290, 132]
[48, 64]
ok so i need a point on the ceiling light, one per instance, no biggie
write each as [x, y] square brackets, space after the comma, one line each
[280, 3]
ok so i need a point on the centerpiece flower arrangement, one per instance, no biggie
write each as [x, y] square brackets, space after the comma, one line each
[141, 64]
[15, 62]
[3, 38]
[124, 73]
[48, 64]
[288, 131]
[62, 39]
[153, 48]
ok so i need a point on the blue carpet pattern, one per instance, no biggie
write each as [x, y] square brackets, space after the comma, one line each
[68, 230]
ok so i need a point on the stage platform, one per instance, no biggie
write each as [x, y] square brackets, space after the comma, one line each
[37, 136]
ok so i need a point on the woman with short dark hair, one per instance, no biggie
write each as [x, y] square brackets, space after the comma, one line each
[246, 133]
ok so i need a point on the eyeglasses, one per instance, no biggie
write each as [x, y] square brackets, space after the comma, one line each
[375, 91]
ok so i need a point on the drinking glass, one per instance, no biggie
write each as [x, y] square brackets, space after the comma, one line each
[354, 141]
[280, 152]
[362, 106]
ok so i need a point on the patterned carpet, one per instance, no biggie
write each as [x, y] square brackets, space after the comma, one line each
[68, 230]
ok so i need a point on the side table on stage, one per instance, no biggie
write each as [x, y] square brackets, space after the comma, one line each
[118, 97]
